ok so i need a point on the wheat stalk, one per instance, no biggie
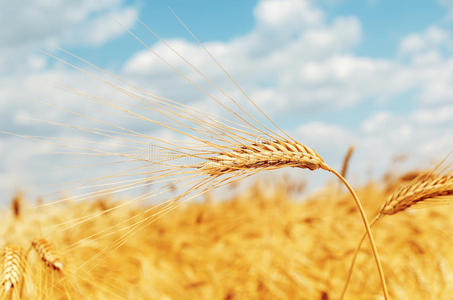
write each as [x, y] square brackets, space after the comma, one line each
[47, 253]
[434, 186]
[13, 270]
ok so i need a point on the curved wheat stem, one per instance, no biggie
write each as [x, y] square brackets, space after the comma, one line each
[354, 259]
[47, 253]
[13, 270]
[427, 186]
[368, 232]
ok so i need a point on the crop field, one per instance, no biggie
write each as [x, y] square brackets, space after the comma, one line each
[259, 244]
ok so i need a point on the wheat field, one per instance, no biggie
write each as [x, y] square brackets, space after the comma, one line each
[259, 244]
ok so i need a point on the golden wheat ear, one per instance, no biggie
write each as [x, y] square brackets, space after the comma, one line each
[434, 186]
[264, 155]
[46, 251]
[13, 269]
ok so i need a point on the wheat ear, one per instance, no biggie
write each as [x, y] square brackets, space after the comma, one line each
[346, 160]
[16, 205]
[13, 268]
[429, 188]
[278, 154]
[47, 253]
[436, 185]
[263, 155]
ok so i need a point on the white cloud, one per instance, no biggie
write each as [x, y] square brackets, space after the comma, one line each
[287, 16]
[47, 24]
[424, 136]
[439, 115]
[330, 139]
[110, 25]
[274, 64]
[27, 76]
[51, 21]
[432, 37]
[295, 61]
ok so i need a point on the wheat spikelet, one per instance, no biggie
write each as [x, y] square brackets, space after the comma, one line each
[264, 155]
[426, 186]
[47, 253]
[13, 267]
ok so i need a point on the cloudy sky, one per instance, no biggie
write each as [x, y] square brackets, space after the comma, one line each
[377, 74]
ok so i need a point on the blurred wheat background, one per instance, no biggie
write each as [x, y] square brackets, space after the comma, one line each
[259, 244]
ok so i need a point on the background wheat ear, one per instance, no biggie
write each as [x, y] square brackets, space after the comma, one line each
[46, 251]
[434, 186]
[346, 160]
[13, 268]
[16, 204]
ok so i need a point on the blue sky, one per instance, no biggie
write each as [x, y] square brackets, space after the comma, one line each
[384, 23]
[377, 74]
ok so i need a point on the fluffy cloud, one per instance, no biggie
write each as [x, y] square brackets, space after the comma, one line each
[45, 24]
[432, 37]
[53, 22]
[275, 55]
[26, 77]
[423, 136]
[287, 16]
[295, 61]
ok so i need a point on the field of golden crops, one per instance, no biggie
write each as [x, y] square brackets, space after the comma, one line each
[259, 244]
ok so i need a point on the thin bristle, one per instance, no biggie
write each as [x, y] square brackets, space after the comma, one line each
[13, 267]
[47, 253]
[263, 155]
[424, 188]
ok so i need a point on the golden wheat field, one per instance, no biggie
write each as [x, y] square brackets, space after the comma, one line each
[259, 244]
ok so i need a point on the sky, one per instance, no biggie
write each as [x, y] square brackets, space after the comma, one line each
[375, 74]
